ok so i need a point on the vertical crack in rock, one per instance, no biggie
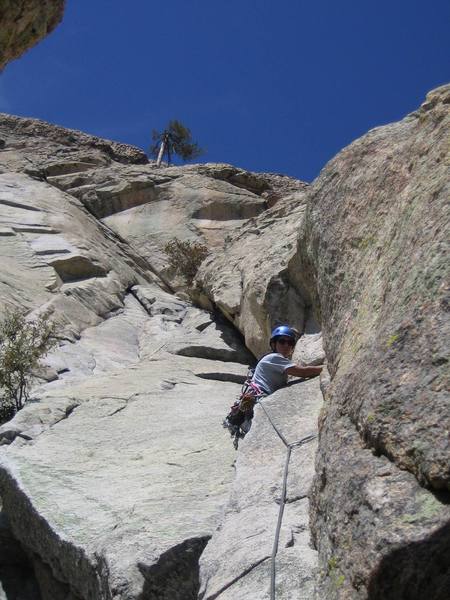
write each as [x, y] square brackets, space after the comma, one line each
[176, 574]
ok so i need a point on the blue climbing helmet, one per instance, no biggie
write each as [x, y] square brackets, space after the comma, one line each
[283, 331]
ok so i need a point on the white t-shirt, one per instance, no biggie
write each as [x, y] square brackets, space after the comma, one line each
[270, 373]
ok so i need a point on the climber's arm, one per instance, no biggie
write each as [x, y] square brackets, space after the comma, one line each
[305, 372]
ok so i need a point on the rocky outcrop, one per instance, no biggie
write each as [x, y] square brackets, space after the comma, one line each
[124, 431]
[251, 292]
[57, 258]
[257, 294]
[140, 381]
[271, 186]
[368, 256]
[144, 205]
[43, 150]
[372, 255]
[24, 23]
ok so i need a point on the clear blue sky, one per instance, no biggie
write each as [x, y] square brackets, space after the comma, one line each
[268, 85]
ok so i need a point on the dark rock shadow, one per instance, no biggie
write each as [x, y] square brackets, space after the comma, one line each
[19, 582]
[233, 338]
[17, 577]
[209, 353]
[176, 574]
[235, 350]
[418, 571]
[216, 376]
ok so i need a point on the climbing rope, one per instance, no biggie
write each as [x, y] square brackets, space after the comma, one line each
[289, 446]
[278, 529]
[280, 435]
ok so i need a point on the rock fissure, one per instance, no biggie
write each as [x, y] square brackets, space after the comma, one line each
[18, 205]
[235, 580]
[68, 413]
[292, 499]
[197, 451]
[233, 378]
[118, 410]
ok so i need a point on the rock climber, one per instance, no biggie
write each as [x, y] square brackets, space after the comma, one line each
[271, 373]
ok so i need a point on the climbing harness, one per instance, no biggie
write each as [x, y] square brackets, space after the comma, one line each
[239, 419]
[289, 446]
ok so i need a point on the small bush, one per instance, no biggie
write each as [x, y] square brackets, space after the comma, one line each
[186, 257]
[22, 345]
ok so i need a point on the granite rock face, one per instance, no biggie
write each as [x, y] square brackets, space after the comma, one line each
[127, 418]
[24, 23]
[237, 561]
[57, 258]
[372, 253]
[43, 150]
[117, 476]
[144, 205]
[114, 479]
[248, 278]
[256, 294]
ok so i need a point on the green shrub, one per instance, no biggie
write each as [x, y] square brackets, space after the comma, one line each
[186, 257]
[22, 345]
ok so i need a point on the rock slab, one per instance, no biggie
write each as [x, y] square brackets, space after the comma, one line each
[237, 560]
[118, 474]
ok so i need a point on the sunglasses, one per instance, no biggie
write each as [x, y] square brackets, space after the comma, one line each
[284, 341]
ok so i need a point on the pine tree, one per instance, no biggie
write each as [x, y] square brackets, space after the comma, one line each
[175, 139]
